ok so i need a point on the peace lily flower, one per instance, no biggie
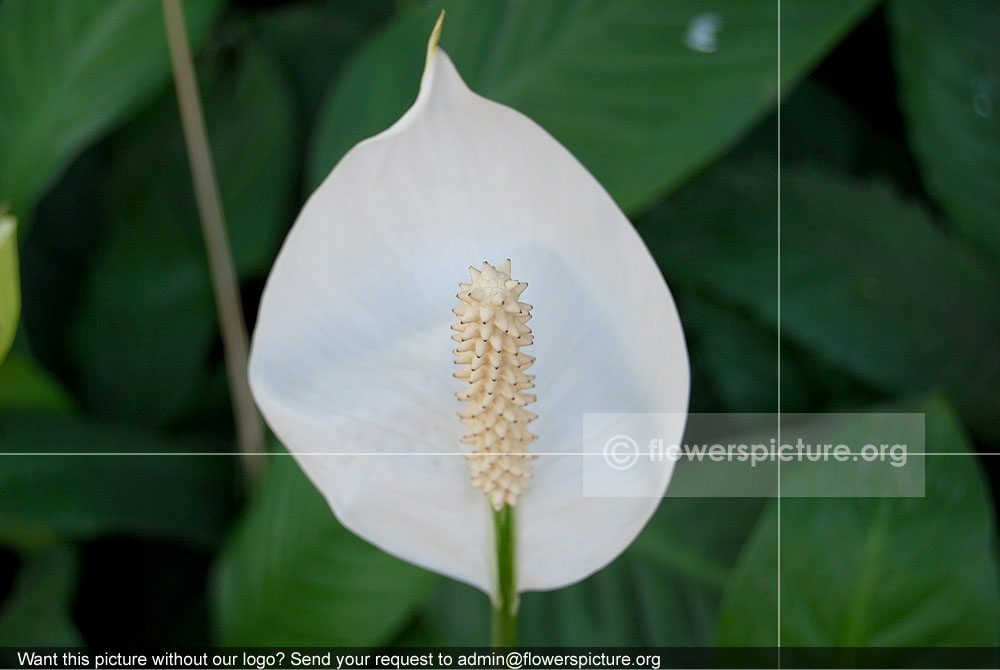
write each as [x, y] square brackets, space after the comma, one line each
[353, 368]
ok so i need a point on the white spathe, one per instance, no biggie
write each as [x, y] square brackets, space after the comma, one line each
[351, 359]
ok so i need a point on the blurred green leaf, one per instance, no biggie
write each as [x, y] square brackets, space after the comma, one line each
[738, 356]
[948, 66]
[663, 591]
[868, 283]
[10, 283]
[147, 322]
[48, 498]
[68, 226]
[69, 71]
[25, 386]
[821, 127]
[894, 572]
[617, 83]
[734, 356]
[312, 39]
[38, 611]
[292, 575]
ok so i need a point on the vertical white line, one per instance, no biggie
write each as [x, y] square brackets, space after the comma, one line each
[779, 344]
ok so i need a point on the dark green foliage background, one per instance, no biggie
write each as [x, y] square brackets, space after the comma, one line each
[890, 298]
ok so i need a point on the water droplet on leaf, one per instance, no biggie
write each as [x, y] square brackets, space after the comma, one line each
[702, 32]
[985, 91]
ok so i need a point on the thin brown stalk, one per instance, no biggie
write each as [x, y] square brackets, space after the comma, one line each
[249, 427]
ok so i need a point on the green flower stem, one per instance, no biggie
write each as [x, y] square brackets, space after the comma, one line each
[504, 624]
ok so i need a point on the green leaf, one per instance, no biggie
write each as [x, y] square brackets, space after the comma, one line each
[38, 611]
[614, 82]
[10, 284]
[67, 229]
[868, 283]
[948, 68]
[71, 70]
[311, 40]
[292, 575]
[891, 572]
[46, 498]
[738, 357]
[850, 142]
[664, 590]
[734, 359]
[25, 386]
[147, 321]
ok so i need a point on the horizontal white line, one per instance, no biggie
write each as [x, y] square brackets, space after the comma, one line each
[640, 455]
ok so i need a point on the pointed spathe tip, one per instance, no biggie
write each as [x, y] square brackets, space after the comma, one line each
[435, 38]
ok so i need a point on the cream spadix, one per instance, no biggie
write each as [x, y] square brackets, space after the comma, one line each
[350, 359]
[492, 327]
